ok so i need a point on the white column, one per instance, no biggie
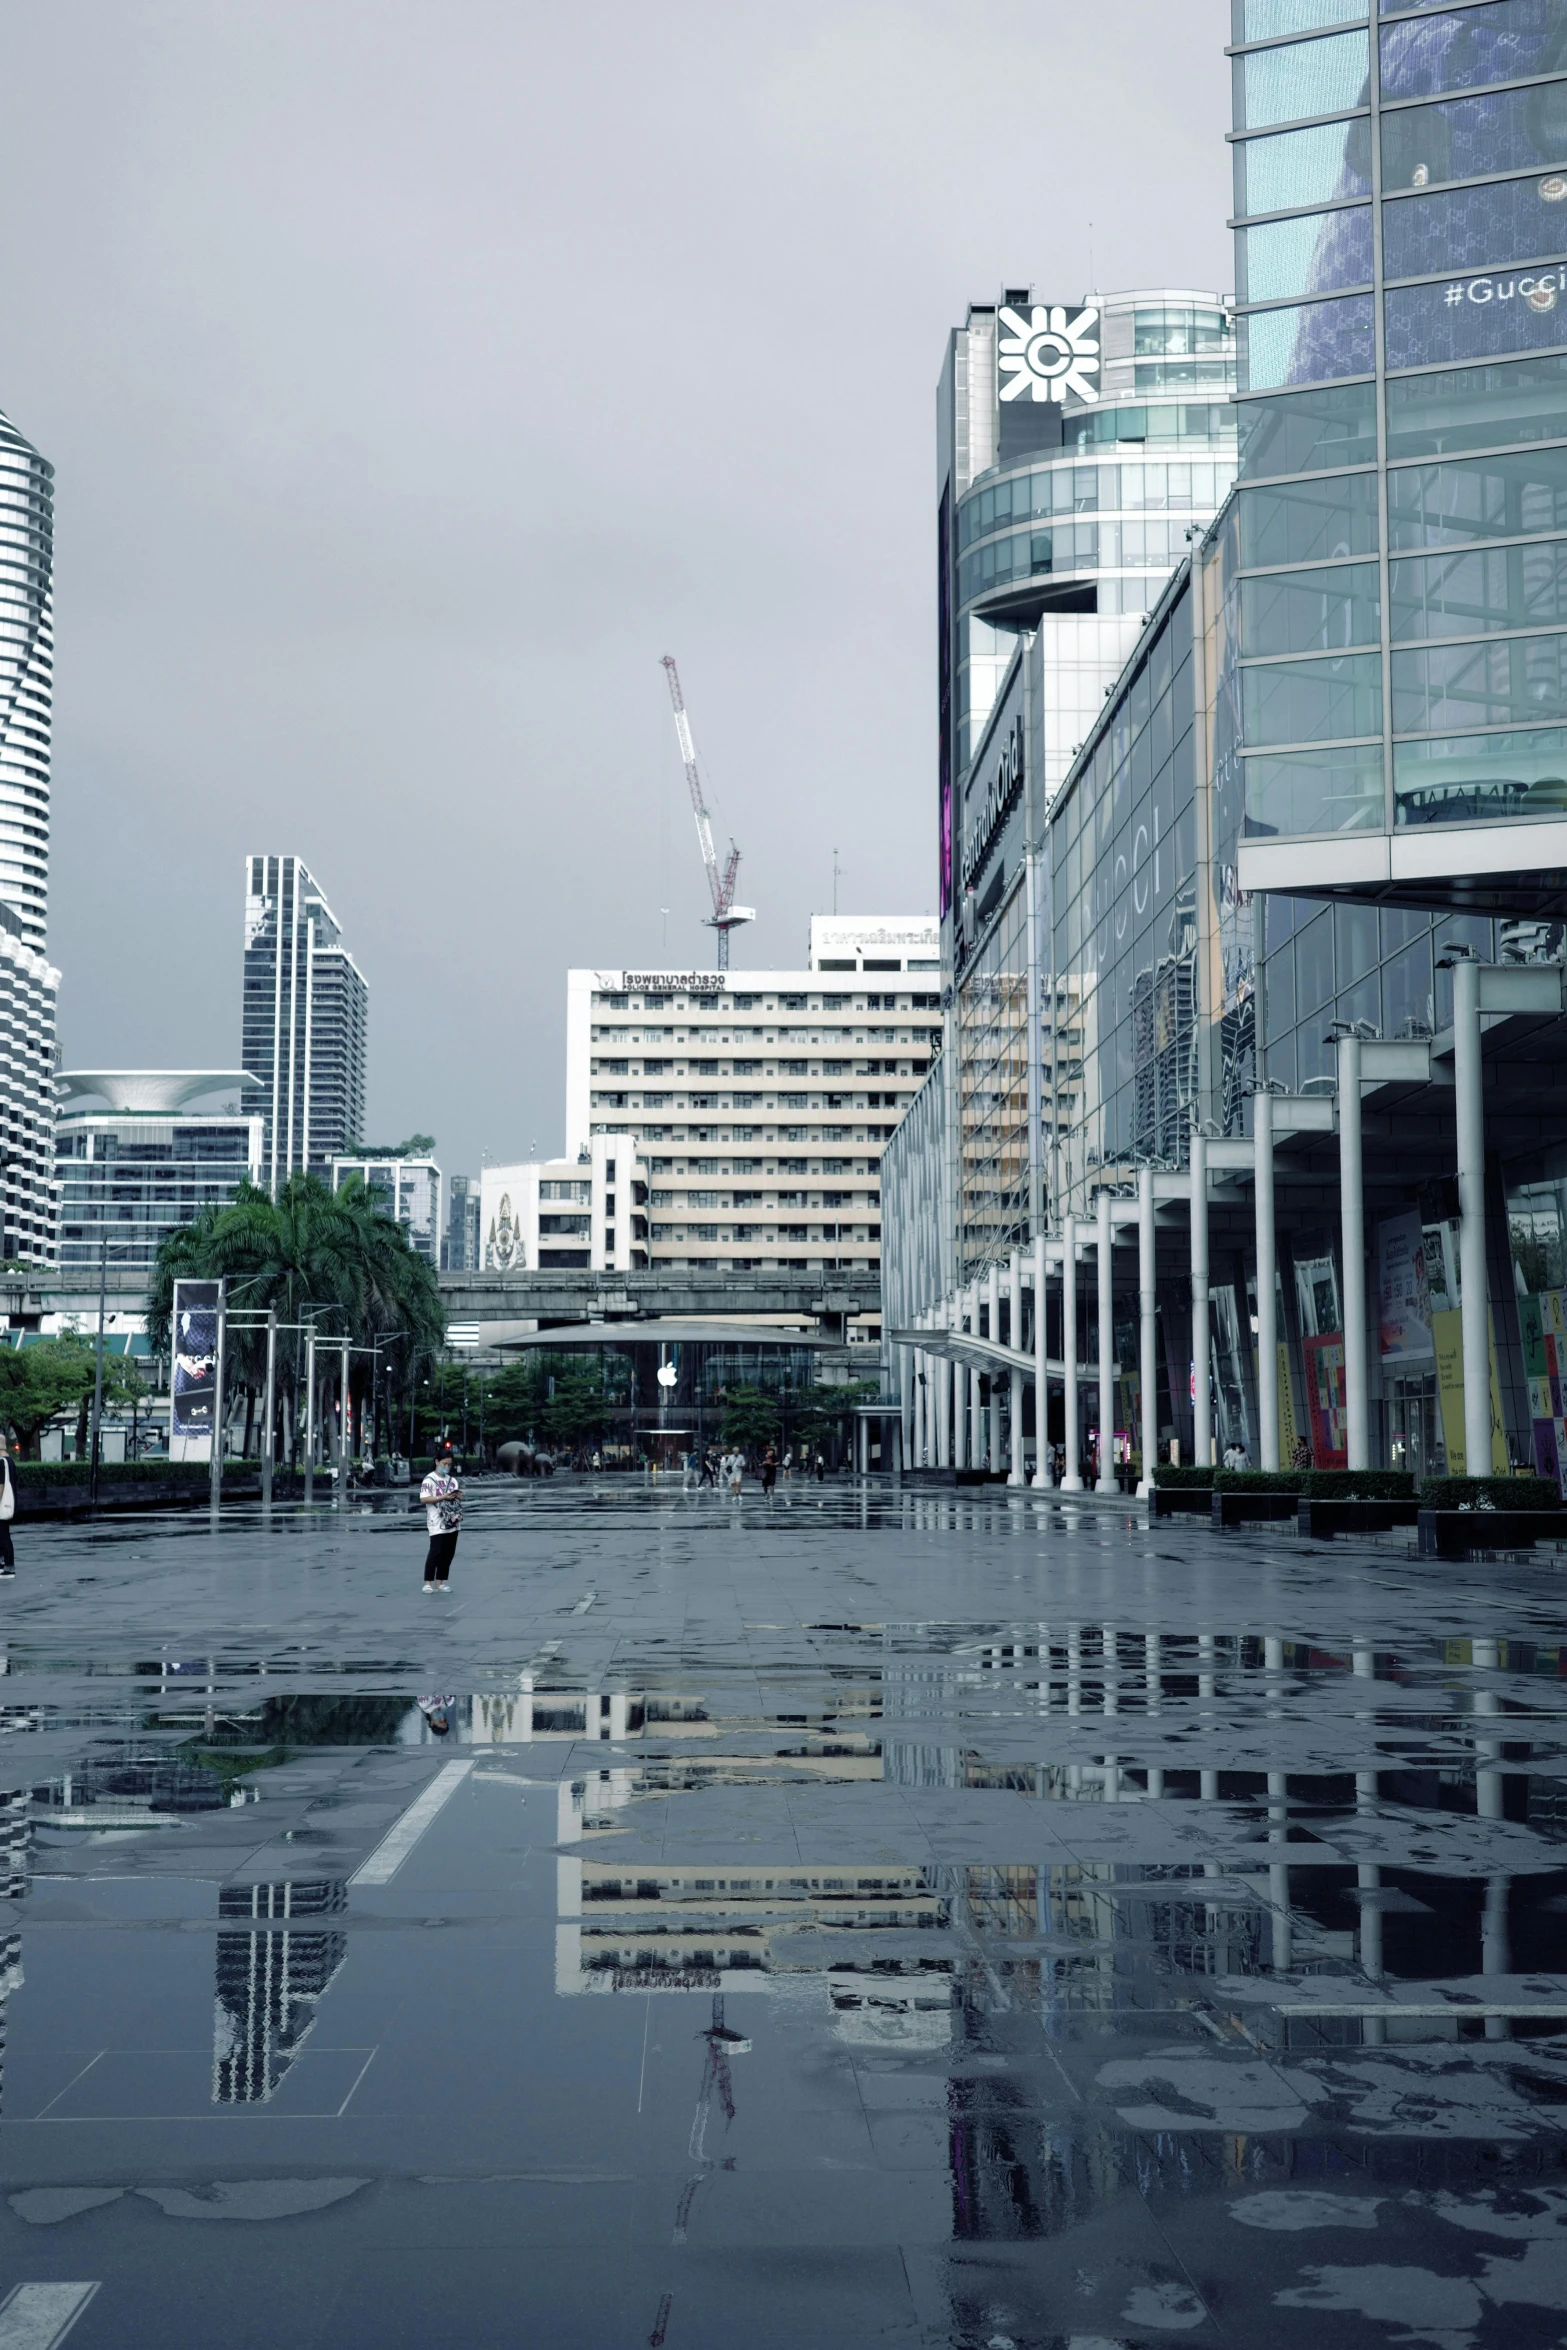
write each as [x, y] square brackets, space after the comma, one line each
[1105, 1268]
[1015, 1341]
[1473, 1299]
[941, 1401]
[1267, 1289]
[1352, 1229]
[1071, 1481]
[960, 1386]
[993, 1432]
[976, 1413]
[921, 1442]
[1202, 1425]
[1147, 1320]
[1041, 1381]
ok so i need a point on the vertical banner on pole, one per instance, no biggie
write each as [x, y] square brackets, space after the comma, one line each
[193, 1353]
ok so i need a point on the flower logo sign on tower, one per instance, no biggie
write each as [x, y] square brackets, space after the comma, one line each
[1047, 355]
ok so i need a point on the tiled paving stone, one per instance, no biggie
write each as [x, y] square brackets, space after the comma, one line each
[874, 1918]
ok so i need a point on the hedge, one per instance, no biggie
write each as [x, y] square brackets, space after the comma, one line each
[153, 1472]
[1497, 1493]
[1358, 1485]
[1192, 1479]
[1258, 1480]
[1315, 1484]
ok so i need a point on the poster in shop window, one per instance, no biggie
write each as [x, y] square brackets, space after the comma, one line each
[1542, 1320]
[1326, 1401]
[1404, 1304]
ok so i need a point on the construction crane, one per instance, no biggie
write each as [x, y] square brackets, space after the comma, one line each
[726, 915]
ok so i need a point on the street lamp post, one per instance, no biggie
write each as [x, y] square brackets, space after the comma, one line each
[97, 1391]
[269, 1416]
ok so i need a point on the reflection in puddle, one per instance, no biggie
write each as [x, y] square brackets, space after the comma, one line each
[269, 1981]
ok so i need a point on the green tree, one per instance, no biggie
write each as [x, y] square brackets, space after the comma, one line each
[822, 1412]
[334, 1258]
[748, 1416]
[514, 1399]
[576, 1412]
[38, 1383]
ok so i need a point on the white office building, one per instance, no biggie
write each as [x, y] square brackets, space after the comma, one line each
[759, 1101]
[584, 1214]
[140, 1152]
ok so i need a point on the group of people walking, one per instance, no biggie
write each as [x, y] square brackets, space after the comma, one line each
[726, 1471]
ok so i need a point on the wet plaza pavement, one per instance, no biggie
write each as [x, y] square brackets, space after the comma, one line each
[866, 1918]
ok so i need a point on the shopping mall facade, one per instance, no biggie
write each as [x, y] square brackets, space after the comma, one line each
[1254, 997]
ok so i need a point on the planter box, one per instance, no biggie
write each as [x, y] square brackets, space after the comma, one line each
[1241, 1509]
[1180, 1501]
[1455, 1534]
[1321, 1520]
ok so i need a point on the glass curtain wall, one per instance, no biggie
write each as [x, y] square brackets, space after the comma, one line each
[993, 1092]
[1120, 994]
[1402, 521]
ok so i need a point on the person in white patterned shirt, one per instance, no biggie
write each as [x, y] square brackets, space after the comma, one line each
[442, 1498]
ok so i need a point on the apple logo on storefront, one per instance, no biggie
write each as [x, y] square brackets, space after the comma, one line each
[1048, 355]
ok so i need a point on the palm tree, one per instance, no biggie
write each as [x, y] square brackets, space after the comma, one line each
[330, 1257]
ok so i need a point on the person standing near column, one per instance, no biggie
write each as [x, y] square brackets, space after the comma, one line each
[7, 1510]
[442, 1498]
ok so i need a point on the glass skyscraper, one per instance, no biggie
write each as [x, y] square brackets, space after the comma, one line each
[29, 986]
[306, 1013]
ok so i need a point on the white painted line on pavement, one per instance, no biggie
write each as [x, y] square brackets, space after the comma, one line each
[38, 2316]
[400, 1839]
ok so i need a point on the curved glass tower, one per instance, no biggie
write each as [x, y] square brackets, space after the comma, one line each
[26, 678]
[1081, 448]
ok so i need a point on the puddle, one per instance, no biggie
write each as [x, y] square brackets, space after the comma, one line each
[1098, 1960]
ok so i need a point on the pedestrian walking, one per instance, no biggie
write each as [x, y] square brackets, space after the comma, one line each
[442, 1498]
[736, 1469]
[821, 1470]
[709, 1474]
[769, 1468]
[788, 1465]
[7, 1512]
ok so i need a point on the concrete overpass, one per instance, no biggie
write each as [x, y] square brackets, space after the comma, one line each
[819, 1307]
[811, 1309]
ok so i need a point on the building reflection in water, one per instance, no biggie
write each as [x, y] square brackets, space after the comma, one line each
[271, 1975]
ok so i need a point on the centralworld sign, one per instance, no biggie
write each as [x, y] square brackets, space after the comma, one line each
[1050, 354]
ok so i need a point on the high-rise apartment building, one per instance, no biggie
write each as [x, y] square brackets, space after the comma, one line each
[306, 1013]
[29, 985]
[759, 1101]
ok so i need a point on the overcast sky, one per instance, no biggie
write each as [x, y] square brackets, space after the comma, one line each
[416, 376]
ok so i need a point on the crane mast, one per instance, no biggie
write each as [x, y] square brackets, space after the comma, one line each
[726, 915]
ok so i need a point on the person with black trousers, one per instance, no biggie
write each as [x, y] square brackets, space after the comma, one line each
[7, 1512]
[442, 1498]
